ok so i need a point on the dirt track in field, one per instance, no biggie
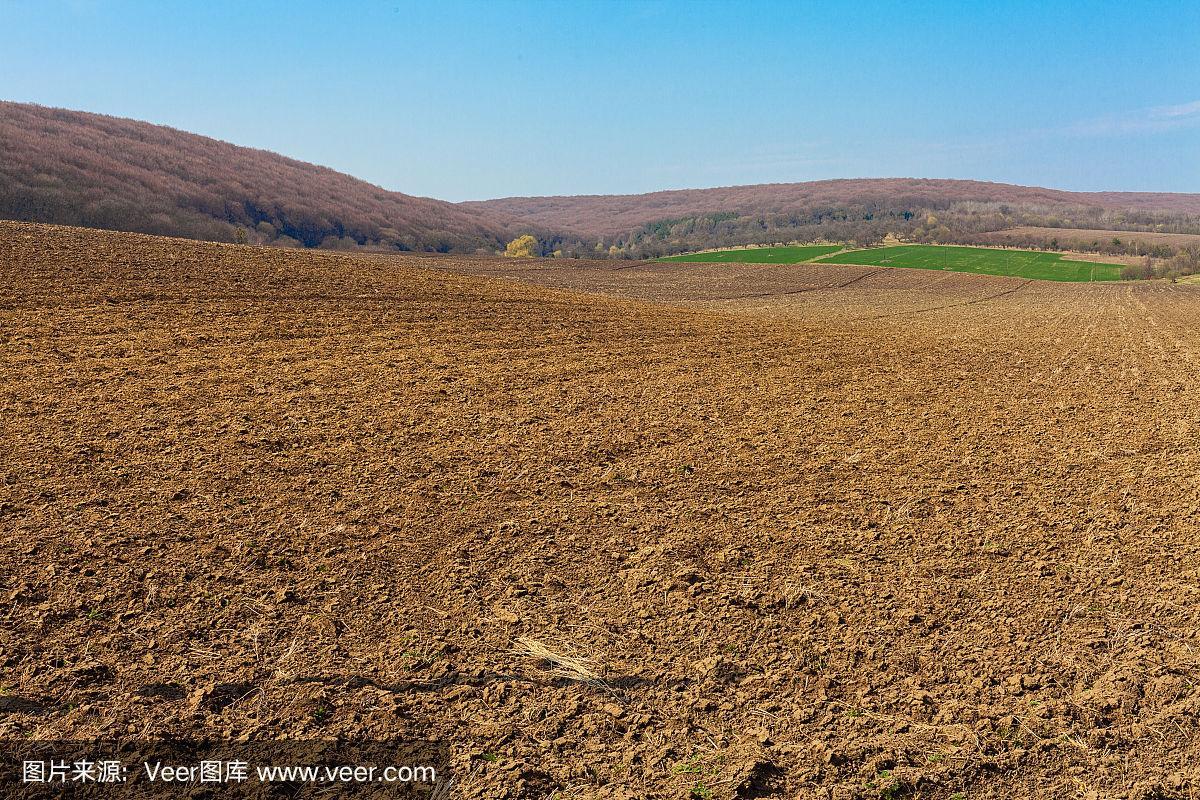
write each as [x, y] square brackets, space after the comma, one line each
[820, 531]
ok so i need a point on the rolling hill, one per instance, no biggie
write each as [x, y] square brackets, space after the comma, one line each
[607, 215]
[76, 168]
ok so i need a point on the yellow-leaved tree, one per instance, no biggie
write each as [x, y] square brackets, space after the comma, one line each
[524, 246]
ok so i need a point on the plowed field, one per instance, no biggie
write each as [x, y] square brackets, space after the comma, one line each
[608, 530]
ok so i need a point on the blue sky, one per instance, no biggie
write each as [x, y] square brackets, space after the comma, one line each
[475, 100]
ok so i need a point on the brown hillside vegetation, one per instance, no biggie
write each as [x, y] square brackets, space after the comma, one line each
[609, 530]
[613, 214]
[86, 169]
[71, 167]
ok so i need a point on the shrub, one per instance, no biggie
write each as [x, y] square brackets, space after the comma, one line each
[524, 246]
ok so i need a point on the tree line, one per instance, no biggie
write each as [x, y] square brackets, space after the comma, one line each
[865, 225]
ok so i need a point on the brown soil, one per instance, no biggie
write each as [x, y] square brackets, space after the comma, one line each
[1102, 258]
[1080, 236]
[919, 535]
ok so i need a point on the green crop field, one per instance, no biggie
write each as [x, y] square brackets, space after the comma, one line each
[1018, 263]
[761, 255]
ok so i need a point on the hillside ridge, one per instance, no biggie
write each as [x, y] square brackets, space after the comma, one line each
[606, 214]
[78, 168]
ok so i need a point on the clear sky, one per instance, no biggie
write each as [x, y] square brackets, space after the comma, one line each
[473, 100]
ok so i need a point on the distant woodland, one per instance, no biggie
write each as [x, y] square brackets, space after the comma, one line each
[75, 168]
[863, 212]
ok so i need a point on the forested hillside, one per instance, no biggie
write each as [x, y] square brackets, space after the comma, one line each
[858, 211]
[74, 168]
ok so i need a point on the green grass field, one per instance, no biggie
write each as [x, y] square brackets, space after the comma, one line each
[1018, 263]
[761, 255]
